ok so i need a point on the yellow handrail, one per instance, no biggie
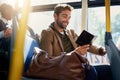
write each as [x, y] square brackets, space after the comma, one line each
[17, 62]
[107, 6]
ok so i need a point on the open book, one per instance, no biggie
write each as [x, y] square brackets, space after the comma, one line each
[85, 38]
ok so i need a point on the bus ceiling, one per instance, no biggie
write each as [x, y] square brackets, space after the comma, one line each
[76, 5]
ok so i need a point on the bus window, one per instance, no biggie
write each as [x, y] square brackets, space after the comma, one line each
[96, 25]
[40, 20]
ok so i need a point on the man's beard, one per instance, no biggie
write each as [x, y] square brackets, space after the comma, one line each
[61, 25]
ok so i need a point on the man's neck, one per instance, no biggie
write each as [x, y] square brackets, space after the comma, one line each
[59, 29]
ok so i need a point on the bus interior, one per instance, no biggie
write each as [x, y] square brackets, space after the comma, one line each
[39, 18]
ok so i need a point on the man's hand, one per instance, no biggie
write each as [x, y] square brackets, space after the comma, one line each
[82, 50]
[102, 51]
[8, 32]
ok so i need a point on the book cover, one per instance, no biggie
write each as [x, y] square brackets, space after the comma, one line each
[85, 38]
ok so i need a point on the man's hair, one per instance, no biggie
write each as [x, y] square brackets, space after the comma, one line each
[61, 7]
[5, 6]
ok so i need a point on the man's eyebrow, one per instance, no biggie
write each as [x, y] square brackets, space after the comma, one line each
[66, 15]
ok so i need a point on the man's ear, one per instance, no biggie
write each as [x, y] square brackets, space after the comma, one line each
[55, 15]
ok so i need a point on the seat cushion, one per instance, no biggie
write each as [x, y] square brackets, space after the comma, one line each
[30, 44]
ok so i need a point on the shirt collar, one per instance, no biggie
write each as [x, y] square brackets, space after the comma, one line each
[4, 20]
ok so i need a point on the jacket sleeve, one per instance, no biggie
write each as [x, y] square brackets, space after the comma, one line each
[46, 40]
[97, 50]
[1, 29]
[1, 34]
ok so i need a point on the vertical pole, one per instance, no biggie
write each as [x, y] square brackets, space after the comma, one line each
[107, 6]
[84, 20]
[17, 62]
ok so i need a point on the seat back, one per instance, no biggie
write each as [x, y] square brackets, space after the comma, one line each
[30, 44]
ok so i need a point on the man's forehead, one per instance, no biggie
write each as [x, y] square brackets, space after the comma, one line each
[66, 12]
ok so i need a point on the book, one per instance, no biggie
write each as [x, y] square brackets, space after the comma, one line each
[84, 38]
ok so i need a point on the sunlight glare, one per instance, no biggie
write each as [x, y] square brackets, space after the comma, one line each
[13, 2]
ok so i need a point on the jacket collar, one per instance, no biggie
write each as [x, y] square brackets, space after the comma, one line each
[56, 34]
[68, 33]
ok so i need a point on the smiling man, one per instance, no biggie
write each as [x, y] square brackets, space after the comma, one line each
[57, 39]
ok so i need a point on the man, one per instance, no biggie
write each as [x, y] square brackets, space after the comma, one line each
[7, 13]
[57, 39]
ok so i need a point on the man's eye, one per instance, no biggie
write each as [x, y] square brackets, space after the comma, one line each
[65, 16]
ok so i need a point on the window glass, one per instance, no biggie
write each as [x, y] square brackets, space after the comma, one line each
[97, 23]
[97, 26]
[40, 20]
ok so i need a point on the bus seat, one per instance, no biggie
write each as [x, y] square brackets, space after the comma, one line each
[30, 44]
